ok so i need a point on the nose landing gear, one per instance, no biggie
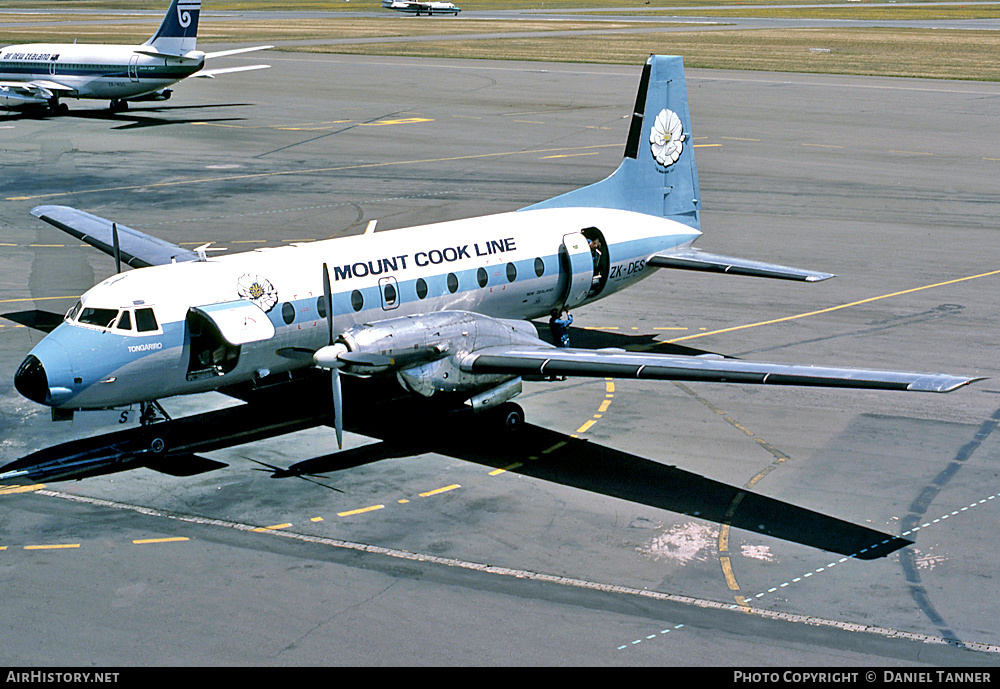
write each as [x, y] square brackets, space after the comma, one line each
[152, 412]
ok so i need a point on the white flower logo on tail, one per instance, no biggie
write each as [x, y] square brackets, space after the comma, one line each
[667, 138]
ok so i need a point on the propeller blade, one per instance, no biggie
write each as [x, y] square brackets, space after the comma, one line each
[338, 408]
[117, 248]
[328, 303]
[338, 399]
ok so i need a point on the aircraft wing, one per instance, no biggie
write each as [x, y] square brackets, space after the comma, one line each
[35, 85]
[552, 361]
[210, 73]
[695, 259]
[137, 249]
[36, 91]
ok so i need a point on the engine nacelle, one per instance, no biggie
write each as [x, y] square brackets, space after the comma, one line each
[424, 350]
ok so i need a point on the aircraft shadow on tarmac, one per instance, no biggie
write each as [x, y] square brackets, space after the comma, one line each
[417, 427]
[36, 319]
[135, 117]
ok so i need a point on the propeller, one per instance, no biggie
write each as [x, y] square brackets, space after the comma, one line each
[117, 248]
[338, 400]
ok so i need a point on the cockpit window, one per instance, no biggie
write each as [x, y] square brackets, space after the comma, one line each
[145, 321]
[140, 319]
[102, 318]
[73, 312]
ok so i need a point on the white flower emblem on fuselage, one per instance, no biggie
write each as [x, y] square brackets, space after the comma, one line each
[666, 139]
[257, 289]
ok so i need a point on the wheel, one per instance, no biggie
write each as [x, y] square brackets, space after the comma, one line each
[511, 417]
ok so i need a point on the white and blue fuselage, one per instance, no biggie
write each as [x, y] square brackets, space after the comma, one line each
[512, 265]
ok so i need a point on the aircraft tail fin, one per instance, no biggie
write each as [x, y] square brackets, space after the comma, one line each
[658, 175]
[177, 34]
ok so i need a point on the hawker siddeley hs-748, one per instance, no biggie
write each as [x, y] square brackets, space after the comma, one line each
[40, 74]
[441, 308]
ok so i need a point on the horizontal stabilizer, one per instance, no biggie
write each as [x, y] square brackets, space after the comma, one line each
[137, 249]
[236, 51]
[542, 361]
[210, 73]
[181, 57]
[694, 259]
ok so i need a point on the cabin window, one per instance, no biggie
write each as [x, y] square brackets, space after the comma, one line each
[511, 272]
[357, 300]
[421, 288]
[539, 267]
[482, 277]
[321, 307]
[452, 283]
[145, 320]
[287, 313]
[389, 294]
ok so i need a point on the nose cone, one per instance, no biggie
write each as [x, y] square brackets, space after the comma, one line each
[30, 380]
[46, 375]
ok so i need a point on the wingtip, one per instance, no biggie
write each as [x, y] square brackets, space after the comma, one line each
[941, 383]
[819, 277]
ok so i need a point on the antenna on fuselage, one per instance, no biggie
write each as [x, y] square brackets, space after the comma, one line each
[203, 250]
[371, 227]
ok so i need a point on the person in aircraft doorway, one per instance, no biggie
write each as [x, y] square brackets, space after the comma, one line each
[559, 327]
[596, 254]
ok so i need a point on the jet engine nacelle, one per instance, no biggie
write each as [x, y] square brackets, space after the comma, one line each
[425, 350]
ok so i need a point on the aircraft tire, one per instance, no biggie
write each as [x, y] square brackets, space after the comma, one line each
[511, 417]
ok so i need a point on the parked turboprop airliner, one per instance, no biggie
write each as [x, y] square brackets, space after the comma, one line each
[440, 308]
[41, 74]
[419, 7]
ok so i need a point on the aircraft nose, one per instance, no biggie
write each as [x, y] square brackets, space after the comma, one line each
[31, 381]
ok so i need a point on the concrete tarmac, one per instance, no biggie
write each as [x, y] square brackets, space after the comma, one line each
[431, 553]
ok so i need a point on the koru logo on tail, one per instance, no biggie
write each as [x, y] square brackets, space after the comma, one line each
[667, 138]
[184, 9]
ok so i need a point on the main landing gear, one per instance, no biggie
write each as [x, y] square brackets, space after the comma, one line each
[57, 108]
[509, 416]
[118, 105]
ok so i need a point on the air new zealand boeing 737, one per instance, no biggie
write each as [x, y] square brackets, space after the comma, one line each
[41, 74]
